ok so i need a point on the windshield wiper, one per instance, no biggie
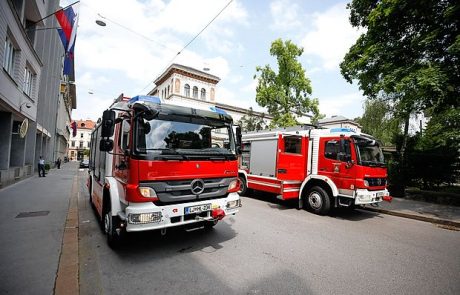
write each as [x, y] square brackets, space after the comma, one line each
[168, 153]
[373, 164]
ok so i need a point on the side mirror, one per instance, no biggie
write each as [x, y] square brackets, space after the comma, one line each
[238, 140]
[145, 112]
[106, 145]
[108, 123]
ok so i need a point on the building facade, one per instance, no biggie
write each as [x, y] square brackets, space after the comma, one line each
[339, 122]
[79, 145]
[30, 84]
[56, 96]
[19, 88]
[186, 86]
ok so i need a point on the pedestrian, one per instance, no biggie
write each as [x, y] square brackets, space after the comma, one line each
[41, 167]
[58, 163]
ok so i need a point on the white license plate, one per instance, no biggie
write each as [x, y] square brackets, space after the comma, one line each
[197, 209]
[380, 194]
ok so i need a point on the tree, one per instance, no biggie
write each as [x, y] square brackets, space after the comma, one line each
[409, 56]
[377, 121]
[251, 122]
[285, 94]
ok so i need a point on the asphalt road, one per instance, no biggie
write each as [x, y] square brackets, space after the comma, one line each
[272, 248]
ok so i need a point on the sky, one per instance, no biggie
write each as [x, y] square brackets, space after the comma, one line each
[142, 38]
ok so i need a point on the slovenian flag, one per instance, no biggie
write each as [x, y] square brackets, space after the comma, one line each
[68, 20]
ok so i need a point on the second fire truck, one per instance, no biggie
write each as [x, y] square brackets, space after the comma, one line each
[321, 168]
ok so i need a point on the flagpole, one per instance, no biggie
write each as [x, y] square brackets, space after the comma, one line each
[33, 24]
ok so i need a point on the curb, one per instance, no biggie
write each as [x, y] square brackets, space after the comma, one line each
[67, 274]
[415, 216]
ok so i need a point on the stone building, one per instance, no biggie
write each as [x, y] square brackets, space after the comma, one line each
[339, 122]
[79, 145]
[186, 86]
[30, 87]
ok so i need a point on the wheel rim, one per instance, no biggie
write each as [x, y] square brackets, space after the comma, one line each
[107, 223]
[315, 201]
[242, 185]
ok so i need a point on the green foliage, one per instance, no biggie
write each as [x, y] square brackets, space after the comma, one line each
[251, 122]
[86, 152]
[377, 121]
[409, 54]
[285, 94]
[47, 166]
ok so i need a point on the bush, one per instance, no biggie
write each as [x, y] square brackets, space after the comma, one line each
[47, 166]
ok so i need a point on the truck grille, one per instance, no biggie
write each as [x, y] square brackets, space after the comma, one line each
[180, 191]
[376, 181]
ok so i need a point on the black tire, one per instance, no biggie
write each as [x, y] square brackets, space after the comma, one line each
[208, 225]
[243, 186]
[317, 200]
[111, 223]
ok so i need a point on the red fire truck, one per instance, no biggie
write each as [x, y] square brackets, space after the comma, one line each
[320, 168]
[155, 166]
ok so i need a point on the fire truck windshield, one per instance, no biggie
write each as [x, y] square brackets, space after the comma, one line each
[369, 154]
[185, 138]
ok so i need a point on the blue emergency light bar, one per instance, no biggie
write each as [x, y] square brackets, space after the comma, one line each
[217, 110]
[146, 98]
[341, 130]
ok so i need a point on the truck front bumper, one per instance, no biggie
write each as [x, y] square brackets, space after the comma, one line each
[148, 216]
[364, 196]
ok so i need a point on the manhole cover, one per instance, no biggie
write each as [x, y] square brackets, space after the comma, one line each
[32, 214]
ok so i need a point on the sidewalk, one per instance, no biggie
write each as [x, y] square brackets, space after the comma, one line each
[424, 211]
[34, 213]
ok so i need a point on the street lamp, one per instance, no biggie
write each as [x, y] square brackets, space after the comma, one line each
[100, 23]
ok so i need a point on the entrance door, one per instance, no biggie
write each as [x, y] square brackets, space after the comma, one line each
[292, 160]
[335, 156]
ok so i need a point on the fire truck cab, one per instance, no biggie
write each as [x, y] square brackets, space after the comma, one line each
[320, 168]
[156, 166]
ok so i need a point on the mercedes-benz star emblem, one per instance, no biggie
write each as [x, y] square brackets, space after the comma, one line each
[197, 186]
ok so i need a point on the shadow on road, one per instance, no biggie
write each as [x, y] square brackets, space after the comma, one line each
[337, 213]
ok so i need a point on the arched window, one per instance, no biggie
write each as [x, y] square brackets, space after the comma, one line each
[203, 94]
[195, 92]
[187, 90]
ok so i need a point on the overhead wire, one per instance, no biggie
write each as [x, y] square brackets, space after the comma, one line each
[190, 42]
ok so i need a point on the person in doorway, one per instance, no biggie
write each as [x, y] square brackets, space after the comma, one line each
[58, 163]
[41, 167]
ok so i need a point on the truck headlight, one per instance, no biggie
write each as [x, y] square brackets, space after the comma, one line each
[233, 204]
[148, 192]
[234, 186]
[142, 218]
[366, 183]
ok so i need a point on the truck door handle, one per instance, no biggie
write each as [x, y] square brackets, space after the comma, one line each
[282, 170]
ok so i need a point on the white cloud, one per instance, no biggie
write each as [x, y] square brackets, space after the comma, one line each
[332, 36]
[285, 15]
[337, 105]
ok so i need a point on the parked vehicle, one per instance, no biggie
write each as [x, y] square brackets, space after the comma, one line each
[154, 166]
[84, 163]
[321, 168]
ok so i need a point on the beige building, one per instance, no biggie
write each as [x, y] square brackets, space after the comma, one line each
[339, 122]
[186, 86]
[82, 140]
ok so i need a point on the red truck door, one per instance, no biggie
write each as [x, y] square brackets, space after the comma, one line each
[335, 156]
[292, 160]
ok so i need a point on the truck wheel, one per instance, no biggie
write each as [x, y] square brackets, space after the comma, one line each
[318, 200]
[243, 186]
[111, 223]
